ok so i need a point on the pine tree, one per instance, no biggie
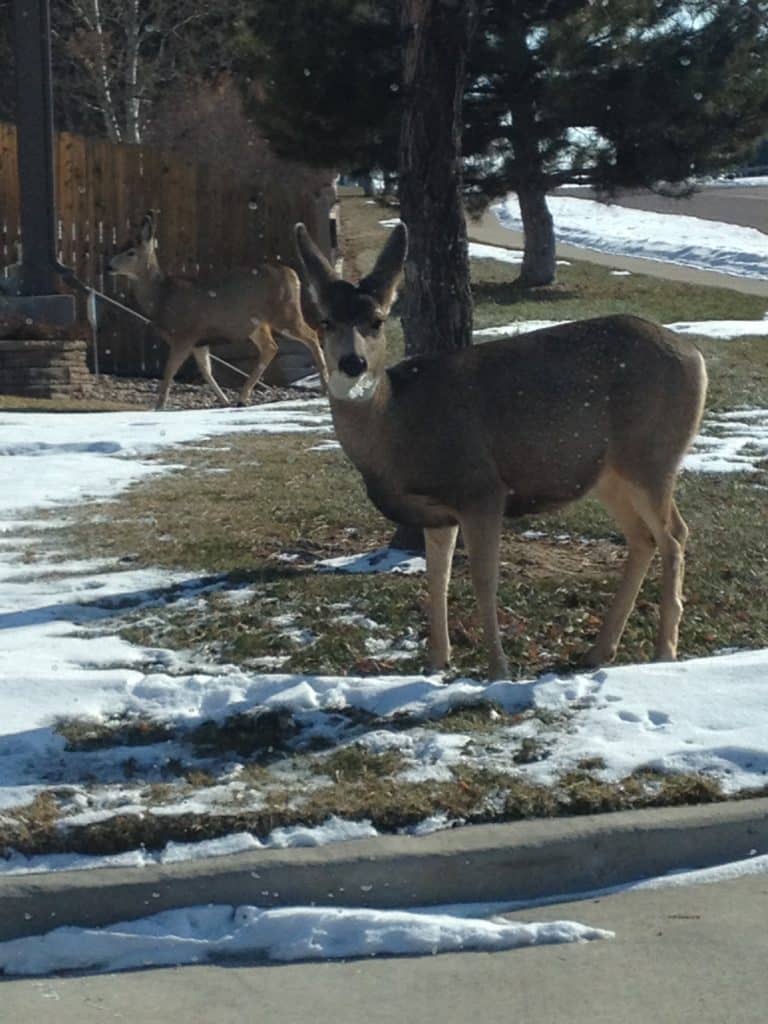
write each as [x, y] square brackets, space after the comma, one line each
[328, 81]
[625, 93]
[617, 93]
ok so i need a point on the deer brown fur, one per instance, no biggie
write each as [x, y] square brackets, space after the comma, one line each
[606, 406]
[253, 304]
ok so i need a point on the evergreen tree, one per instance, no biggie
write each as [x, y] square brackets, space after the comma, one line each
[628, 93]
[620, 93]
[328, 81]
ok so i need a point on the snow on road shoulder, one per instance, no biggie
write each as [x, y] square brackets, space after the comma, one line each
[668, 237]
[289, 934]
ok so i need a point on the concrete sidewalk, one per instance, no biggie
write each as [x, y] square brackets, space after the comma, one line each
[692, 955]
[488, 230]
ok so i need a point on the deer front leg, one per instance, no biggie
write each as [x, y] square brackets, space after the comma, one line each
[440, 543]
[482, 535]
[266, 346]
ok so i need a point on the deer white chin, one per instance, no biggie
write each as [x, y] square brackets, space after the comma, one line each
[352, 389]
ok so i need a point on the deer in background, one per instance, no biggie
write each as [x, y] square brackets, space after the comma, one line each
[606, 406]
[252, 304]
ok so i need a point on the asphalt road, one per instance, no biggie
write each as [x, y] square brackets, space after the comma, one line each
[732, 204]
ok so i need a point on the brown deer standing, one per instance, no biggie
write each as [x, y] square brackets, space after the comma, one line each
[244, 304]
[522, 425]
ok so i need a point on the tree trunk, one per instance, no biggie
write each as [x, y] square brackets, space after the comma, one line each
[365, 181]
[438, 303]
[538, 267]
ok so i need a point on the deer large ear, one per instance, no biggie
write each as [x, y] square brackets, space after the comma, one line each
[383, 280]
[320, 273]
[147, 228]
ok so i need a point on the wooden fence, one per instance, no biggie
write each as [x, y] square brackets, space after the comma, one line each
[209, 221]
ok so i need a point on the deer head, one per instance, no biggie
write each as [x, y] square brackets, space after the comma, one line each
[354, 316]
[138, 260]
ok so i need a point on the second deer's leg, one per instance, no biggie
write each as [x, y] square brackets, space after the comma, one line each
[482, 535]
[440, 543]
[304, 334]
[177, 356]
[266, 346]
[641, 547]
[203, 359]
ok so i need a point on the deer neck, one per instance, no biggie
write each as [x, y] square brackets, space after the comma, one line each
[149, 292]
[363, 426]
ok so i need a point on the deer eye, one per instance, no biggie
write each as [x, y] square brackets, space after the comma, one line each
[377, 323]
[327, 325]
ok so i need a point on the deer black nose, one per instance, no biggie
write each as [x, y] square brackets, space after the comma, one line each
[352, 364]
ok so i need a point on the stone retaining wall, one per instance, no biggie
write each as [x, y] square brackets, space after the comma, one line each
[44, 369]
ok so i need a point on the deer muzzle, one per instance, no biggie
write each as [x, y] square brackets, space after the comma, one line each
[352, 364]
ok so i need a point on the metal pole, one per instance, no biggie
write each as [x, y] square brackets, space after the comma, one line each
[34, 117]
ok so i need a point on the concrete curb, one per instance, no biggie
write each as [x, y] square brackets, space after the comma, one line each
[481, 863]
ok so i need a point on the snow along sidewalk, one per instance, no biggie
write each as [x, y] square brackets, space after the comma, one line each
[489, 231]
[485, 863]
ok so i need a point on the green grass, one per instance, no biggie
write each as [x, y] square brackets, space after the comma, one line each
[584, 290]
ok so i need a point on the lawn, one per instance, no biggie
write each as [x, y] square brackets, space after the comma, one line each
[255, 513]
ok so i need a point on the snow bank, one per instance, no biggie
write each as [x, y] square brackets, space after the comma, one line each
[198, 934]
[668, 237]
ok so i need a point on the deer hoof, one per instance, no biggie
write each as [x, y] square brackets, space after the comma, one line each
[595, 657]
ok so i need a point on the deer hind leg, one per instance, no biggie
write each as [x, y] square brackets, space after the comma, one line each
[440, 543]
[203, 359]
[266, 346]
[482, 535]
[670, 532]
[614, 494]
[304, 334]
[177, 356]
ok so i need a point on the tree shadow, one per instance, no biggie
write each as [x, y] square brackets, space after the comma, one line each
[508, 293]
[85, 611]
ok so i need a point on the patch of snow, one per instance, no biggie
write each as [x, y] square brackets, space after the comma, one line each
[434, 823]
[286, 934]
[380, 560]
[670, 238]
[722, 329]
[482, 251]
